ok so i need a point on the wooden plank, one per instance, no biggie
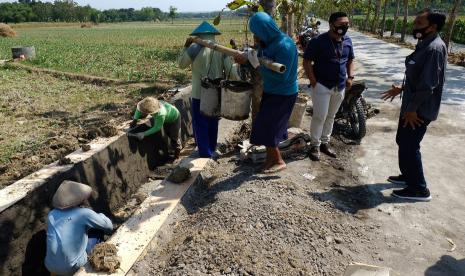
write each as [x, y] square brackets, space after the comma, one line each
[21, 188]
[135, 234]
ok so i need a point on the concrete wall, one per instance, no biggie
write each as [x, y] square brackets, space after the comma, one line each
[114, 173]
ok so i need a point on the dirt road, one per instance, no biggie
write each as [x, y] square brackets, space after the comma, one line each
[245, 223]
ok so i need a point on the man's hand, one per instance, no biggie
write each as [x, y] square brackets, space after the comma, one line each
[411, 118]
[349, 83]
[189, 42]
[240, 58]
[133, 123]
[391, 93]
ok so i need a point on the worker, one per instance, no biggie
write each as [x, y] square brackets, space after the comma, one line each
[212, 64]
[279, 89]
[164, 115]
[72, 231]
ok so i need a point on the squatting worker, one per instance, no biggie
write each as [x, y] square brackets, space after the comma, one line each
[205, 63]
[72, 231]
[164, 115]
[422, 92]
[328, 63]
[279, 90]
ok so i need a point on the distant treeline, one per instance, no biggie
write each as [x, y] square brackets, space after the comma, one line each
[70, 11]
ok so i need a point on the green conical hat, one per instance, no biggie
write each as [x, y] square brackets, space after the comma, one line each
[205, 28]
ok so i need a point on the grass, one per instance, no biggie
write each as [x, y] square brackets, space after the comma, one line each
[128, 51]
[36, 107]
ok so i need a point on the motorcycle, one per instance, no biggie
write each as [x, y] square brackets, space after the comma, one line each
[305, 36]
[354, 112]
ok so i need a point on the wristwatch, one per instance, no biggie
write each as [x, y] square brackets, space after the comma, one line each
[351, 77]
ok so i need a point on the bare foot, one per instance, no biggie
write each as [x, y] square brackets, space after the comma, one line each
[275, 168]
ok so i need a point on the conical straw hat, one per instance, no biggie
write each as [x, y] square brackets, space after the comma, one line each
[70, 194]
[148, 105]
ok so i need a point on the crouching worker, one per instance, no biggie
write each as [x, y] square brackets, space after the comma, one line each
[72, 231]
[163, 115]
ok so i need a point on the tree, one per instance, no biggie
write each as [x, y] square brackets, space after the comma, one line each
[404, 24]
[173, 13]
[451, 22]
[383, 24]
[396, 17]
[374, 23]
[367, 19]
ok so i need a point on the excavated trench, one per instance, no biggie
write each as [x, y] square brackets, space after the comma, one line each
[115, 173]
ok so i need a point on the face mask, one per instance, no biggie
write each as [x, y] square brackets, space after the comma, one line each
[342, 30]
[419, 33]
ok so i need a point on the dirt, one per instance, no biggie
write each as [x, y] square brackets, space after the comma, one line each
[240, 222]
[179, 175]
[50, 129]
[104, 258]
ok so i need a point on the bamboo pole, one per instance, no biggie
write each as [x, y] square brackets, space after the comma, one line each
[277, 67]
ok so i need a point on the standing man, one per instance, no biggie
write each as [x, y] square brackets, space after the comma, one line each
[209, 63]
[328, 62]
[422, 89]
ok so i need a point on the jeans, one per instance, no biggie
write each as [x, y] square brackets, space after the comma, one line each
[408, 140]
[95, 237]
[205, 131]
[326, 103]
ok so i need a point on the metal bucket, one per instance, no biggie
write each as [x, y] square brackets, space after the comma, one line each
[236, 100]
[29, 52]
[210, 93]
[298, 112]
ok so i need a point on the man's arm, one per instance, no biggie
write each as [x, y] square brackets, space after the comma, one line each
[350, 73]
[309, 72]
[430, 79]
[97, 221]
[159, 120]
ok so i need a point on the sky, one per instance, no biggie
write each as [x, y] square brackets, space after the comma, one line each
[182, 5]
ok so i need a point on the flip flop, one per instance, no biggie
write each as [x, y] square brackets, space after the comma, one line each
[275, 169]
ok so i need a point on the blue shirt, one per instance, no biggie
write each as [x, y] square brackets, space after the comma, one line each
[280, 48]
[67, 238]
[330, 59]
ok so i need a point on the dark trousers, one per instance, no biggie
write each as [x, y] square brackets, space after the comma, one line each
[408, 140]
[95, 236]
[205, 131]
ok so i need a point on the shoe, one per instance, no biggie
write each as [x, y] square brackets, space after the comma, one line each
[314, 154]
[413, 194]
[399, 180]
[324, 148]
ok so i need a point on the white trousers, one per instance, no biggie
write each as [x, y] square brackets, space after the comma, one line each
[326, 103]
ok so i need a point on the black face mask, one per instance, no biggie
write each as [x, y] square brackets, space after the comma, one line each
[341, 30]
[419, 33]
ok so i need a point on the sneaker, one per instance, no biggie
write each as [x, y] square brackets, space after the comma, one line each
[413, 194]
[400, 180]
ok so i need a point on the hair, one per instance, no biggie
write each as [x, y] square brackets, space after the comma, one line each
[435, 17]
[335, 16]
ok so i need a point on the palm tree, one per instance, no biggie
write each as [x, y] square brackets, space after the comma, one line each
[451, 22]
[404, 24]
[396, 17]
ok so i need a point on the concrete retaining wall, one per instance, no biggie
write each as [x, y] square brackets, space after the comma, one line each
[115, 173]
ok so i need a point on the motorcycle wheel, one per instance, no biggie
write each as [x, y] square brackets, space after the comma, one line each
[358, 119]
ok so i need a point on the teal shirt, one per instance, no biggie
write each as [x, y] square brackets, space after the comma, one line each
[167, 114]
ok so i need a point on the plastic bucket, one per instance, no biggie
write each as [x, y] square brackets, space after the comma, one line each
[210, 93]
[298, 112]
[236, 100]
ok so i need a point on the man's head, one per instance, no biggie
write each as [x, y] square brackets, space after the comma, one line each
[70, 194]
[339, 23]
[206, 31]
[428, 22]
[148, 106]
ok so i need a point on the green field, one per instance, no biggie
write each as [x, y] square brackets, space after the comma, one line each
[128, 51]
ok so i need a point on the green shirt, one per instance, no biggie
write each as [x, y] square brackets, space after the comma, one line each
[167, 114]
